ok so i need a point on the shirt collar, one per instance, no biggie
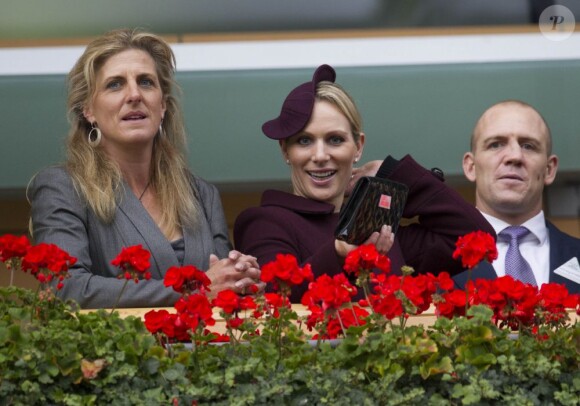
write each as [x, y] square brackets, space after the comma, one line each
[536, 225]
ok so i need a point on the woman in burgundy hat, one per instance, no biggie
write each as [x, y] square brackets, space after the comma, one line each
[320, 134]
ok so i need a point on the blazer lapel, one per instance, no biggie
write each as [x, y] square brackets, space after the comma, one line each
[196, 248]
[145, 232]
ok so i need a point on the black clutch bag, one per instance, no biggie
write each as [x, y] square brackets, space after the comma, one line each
[372, 203]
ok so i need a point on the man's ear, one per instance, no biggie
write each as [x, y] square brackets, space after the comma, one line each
[469, 166]
[551, 170]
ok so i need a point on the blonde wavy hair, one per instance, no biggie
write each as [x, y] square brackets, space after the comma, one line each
[98, 178]
[334, 94]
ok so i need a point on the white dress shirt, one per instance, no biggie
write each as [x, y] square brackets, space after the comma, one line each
[535, 247]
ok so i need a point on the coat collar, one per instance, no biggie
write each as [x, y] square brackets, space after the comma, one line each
[295, 203]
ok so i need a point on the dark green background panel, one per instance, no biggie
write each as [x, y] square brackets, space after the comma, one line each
[428, 111]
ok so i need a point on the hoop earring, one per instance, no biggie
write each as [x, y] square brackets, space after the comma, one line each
[161, 128]
[94, 136]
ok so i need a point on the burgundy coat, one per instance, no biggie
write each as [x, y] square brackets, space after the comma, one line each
[289, 224]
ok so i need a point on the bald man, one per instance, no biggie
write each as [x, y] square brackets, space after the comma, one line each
[511, 162]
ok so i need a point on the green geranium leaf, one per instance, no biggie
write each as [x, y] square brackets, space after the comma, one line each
[435, 365]
[151, 365]
[173, 373]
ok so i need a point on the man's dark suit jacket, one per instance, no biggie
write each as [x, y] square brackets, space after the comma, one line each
[563, 248]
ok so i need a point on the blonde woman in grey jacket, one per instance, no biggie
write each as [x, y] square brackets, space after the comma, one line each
[125, 181]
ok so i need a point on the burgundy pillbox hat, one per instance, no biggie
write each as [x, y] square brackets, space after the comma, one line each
[297, 107]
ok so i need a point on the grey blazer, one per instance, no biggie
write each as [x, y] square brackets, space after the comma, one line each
[60, 216]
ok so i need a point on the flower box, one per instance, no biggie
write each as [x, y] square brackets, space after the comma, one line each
[396, 352]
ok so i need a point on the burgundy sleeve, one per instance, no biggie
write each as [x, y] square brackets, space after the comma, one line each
[266, 232]
[442, 217]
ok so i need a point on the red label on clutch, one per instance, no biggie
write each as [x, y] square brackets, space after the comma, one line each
[385, 202]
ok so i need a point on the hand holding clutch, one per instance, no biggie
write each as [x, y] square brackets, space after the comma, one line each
[374, 202]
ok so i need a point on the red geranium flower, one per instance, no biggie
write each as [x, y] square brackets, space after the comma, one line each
[248, 303]
[330, 293]
[47, 256]
[228, 300]
[47, 261]
[12, 246]
[315, 317]
[186, 279]
[444, 281]
[155, 319]
[284, 272]
[197, 305]
[134, 261]
[419, 290]
[453, 304]
[194, 312]
[474, 248]
[365, 258]
[220, 338]
[555, 296]
[343, 319]
[274, 302]
[389, 305]
[513, 302]
[174, 328]
[174, 278]
[234, 323]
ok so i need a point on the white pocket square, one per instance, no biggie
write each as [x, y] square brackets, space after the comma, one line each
[570, 270]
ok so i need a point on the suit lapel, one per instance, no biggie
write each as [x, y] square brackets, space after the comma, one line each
[562, 249]
[483, 271]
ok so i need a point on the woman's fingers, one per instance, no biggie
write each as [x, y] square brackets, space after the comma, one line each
[237, 272]
[385, 239]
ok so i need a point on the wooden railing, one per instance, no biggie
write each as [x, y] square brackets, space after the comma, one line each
[292, 35]
[426, 319]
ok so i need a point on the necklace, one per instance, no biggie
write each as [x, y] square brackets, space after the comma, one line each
[144, 190]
